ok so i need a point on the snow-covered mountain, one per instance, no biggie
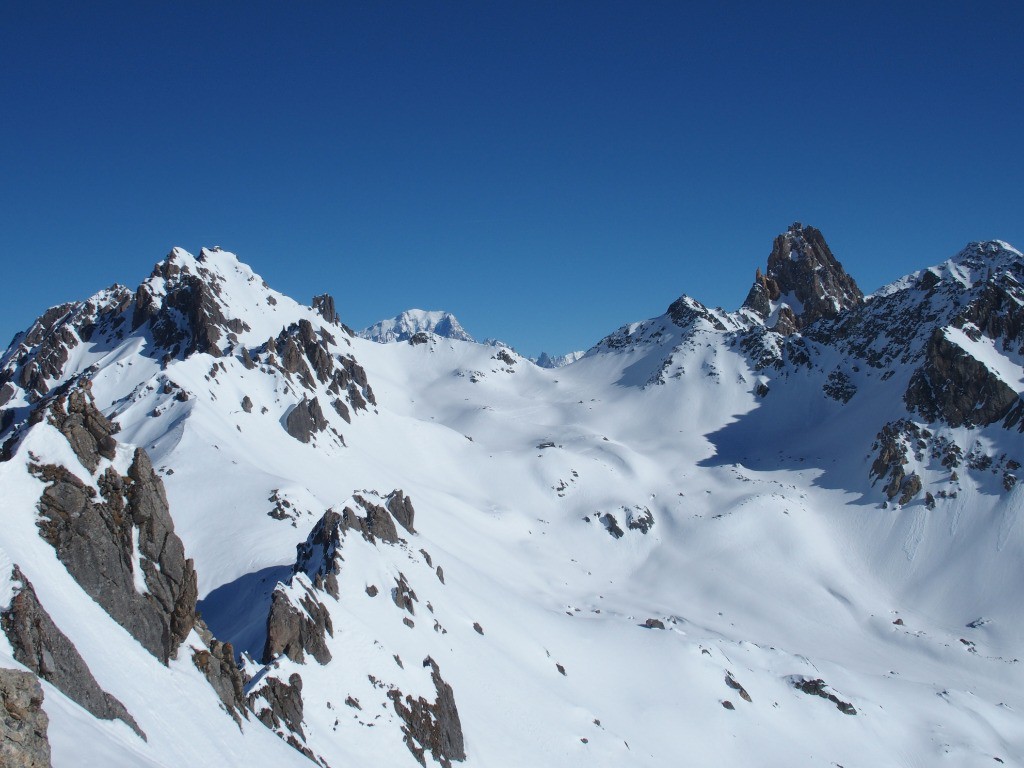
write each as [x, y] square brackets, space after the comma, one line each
[544, 360]
[404, 326]
[235, 533]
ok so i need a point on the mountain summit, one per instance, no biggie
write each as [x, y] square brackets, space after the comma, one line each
[804, 282]
[405, 325]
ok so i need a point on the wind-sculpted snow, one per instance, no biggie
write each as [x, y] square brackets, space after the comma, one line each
[788, 537]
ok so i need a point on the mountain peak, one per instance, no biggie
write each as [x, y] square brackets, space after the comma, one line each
[403, 326]
[803, 282]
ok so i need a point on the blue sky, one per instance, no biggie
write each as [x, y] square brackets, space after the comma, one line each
[546, 171]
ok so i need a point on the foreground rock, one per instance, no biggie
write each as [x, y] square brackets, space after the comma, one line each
[43, 648]
[23, 723]
[103, 540]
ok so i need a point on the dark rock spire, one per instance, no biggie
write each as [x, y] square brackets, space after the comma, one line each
[804, 275]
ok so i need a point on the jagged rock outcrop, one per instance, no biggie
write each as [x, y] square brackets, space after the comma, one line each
[803, 273]
[400, 507]
[278, 705]
[403, 596]
[316, 555]
[172, 293]
[324, 304]
[639, 518]
[295, 630]
[377, 524]
[217, 663]
[303, 353]
[23, 723]
[431, 727]
[102, 541]
[88, 431]
[818, 687]
[40, 645]
[305, 420]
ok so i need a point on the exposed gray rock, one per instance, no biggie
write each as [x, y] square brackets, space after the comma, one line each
[909, 488]
[305, 420]
[505, 357]
[218, 666]
[87, 430]
[341, 409]
[818, 687]
[377, 525]
[324, 304]
[23, 723]
[170, 577]
[40, 354]
[732, 683]
[278, 705]
[839, 386]
[403, 595]
[295, 630]
[400, 507]
[639, 519]
[612, 525]
[40, 645]
[247, 360]
[431, 727]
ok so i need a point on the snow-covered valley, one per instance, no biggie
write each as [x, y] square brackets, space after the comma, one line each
[785, 535]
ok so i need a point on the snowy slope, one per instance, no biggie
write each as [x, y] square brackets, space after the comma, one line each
[688, 515]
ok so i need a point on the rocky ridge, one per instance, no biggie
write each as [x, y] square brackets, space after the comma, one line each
[931, 339]
[931, 386]
[300, 626]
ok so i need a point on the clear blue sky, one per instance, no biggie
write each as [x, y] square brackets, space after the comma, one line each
[546, 171]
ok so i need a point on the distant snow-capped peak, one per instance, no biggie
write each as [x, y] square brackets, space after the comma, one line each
[544, 360]
[403, 326]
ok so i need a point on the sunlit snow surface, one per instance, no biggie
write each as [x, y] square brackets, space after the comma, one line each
[769, 558]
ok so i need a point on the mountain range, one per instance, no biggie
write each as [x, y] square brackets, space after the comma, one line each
[235, 532]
